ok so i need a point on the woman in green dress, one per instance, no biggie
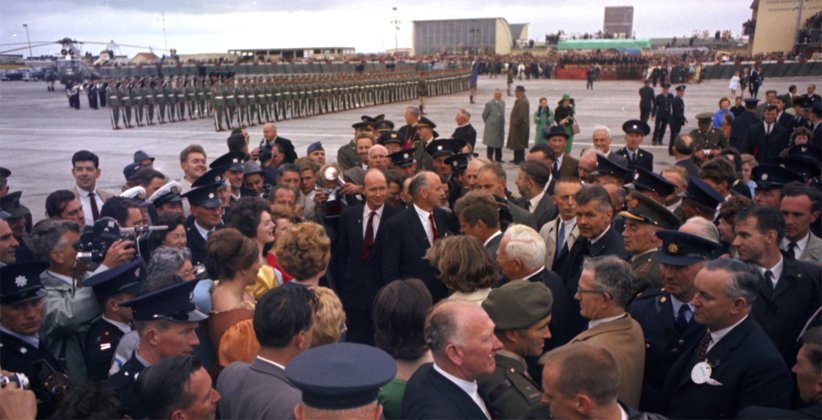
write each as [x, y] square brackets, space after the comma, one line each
[400, 309]
[564, 116]
[542, 119]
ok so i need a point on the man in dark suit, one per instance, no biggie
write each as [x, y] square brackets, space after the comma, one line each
[465, 131]
[545, 154]
[260, 389]
[447, 388]
[271, 138]
[646, 101]
[661, 113]
[766, 140]
[493, 180]
[601, 137]
[357, 257]
[405, 238]
[792, 289]
[755, 81]
[479, 217]
[741, 123]
[169, 316]
[734, 365]
[808, 371]
[206, 212]
[677, 116]
[564, 165]
[635, 131]
[531, 180]
[784, 119]
[665, 315]
[683, 150]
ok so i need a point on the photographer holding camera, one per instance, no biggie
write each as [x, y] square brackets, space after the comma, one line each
[69, 310]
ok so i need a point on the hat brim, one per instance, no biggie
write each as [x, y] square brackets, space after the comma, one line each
[193, 316]
[27, 296]
[212, 203]
[664, 258]
[16, 212]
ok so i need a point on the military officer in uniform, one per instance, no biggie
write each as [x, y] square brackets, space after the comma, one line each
[125, 102]
[521, 311]
[347, 156]
[171, 310]
[113, 93]
[21, 306]
[661, 113]
[148, 98]
[665, 315]
[191, 99]
[643, 219]
[102, 86]
[677, 116]
[635, 130]
[708, 141]
[137, 100]
[111, 287]
[230, 98]
[217, 105]
[180, 94]
[171, 100]
[160, 100]
[425, 133]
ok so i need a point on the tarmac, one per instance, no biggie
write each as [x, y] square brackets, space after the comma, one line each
[39, 132]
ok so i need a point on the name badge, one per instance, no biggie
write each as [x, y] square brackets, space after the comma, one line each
[701, 373]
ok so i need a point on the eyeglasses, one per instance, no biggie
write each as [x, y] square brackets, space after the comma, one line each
[581, 290]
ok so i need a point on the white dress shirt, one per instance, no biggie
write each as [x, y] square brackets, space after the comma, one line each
[426, 224]
[375, 223]
[719, 334]
[800, 245]
[594, 322]
[776, 270]
[470, 388]
[271, 363]
[85, 201]
[595, 240]
[203, 231]
[535, 201]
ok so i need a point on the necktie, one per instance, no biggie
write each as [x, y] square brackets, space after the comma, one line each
[95, 212]
[561, 236]
[555, 171]
[769, 280]
[703, 346]
[682, 318]
[208, 234]
[633, 158]
[768, 130]
[434, 230]
[792, 249]
[368, 240]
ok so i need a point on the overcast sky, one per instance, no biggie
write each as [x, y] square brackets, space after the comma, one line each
[217, 25]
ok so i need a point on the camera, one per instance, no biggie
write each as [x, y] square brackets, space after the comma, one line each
[331, 175]
[93, 244]
[266, 151]
[20, 379]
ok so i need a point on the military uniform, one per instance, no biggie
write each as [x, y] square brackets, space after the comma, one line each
[170, 93]
[101, 341]
[148, 98]
[713, 139]
[125, 103]
[646, 271]
[511, 389]
[347, 156]
[137, 102]
[180, 94]
[230, 98]
[160, 101]
[114, 106]
[123, 381]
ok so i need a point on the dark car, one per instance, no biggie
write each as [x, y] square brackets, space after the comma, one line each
[14, 74]
[35, 74]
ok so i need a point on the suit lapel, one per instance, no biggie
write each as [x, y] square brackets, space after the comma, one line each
[416, 228]
[451, 391]
[441, 219]
[720, 352]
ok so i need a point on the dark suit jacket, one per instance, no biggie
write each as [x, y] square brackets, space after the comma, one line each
[765, 147]
[617, 158]
[783, 312]
[569, 167]
[18, 356]
[493, 245]
[786, 121]
[689, 165]
[353, 271]
[747, 365]
[123, 381]
[662, 106]
[740, 126]
[522, 216]
[756, 412]
[545, 212]
[677, 112]
[287, 148]
[256, 390]
[429, 395]
[467, 133]
[403, 244]
[663, 342]
[644, 158]
[646, 97]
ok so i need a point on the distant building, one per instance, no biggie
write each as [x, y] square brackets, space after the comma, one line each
[773, 24]
[466, 36]
[318, 53]
[144, 57]
[619, 20]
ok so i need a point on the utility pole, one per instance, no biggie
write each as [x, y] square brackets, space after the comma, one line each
[396, 24]
[29, 40]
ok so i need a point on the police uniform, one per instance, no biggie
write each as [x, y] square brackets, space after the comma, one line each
[169, 193]
[517, 305]
[104, 335]
[203, 196]
[175, 304]
[667, 333]
[423, 159]
[24, 354]
[641, 157]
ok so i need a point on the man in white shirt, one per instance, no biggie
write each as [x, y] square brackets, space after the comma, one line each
[561, 233]
[193, 164]
[800, 206]
[85, 170]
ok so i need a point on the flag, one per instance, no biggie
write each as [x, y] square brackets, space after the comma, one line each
[474, 75]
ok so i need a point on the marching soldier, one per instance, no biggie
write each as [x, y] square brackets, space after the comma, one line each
[170, 93]
[114, 104]
[160, 100]
[218, 105]
[125, 102]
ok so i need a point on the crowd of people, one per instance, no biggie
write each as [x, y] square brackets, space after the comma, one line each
[409, 280]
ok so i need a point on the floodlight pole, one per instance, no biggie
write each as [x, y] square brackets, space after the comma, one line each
[31, 55]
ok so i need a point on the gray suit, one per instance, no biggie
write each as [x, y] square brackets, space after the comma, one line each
[493, 245]
[812, 252]
[493, 115]
[549, 233]
[617, 158]
[545, 212]
[258, 390]
[522, 216]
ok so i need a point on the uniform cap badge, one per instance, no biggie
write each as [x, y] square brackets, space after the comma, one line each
[21, 281]
[764, 177]
[672, 248]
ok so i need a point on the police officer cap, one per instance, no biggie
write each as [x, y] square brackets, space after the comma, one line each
[20, 282]
[384, 125]
[505, 214]
[771, 176]
[340, 376]
[169, 193]
[555, 130]
[645, 209]
[425, 122]
[362, 126]
[390, 137]
[4, 215]
[518, 305]
[402, 158]
[211, 176]
[679, 248]
[366, 118]
[137, 194]
[665, 85]
[751, 101]
[705, 116]
[314, 147]
[803, 102]
[205, 196]
[803, 165]
[141, 155]
[174, 303]
[10, 203]
[251, 168]
[4, 173]
[702, 193]
[125, 278]
[681, 88]
[231, 161]
[636, 126]
[606, 166]
[806, 150]
[130, 171]
[442, 147]
[458, 162]
[645, 180]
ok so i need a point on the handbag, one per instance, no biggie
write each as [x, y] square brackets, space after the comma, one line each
[575, 128]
